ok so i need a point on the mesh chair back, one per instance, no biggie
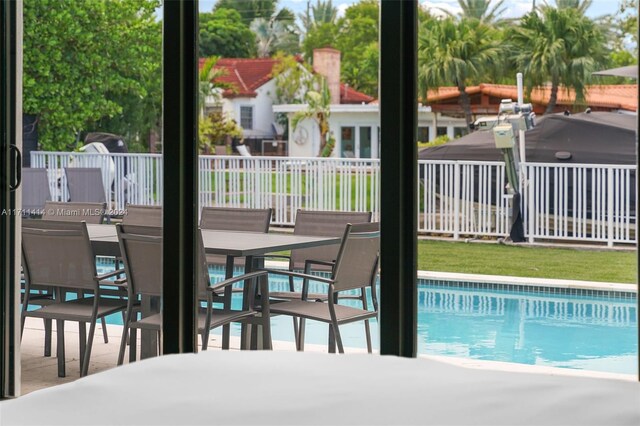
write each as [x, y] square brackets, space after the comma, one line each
[35, 189]
[203, 269]
[143, 215]
[85, 185]
[322, 224]
[58, 254]
[74, 212]
[232, 219]
[141, 249]
[357, 262]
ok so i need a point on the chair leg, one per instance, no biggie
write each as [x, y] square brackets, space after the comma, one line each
[87, 355]
[124, 339]
[367, 329]
[336, 333]
[205, 339]
[295, 331]
[133, 344]
[60, 347]
[47, 337]
[105, 336]
[332, 340]
[301, 335]
[82, 329]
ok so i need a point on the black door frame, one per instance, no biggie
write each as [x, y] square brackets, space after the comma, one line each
[10, 164]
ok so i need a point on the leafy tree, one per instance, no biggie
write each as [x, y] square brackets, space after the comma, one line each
[456, 53]
[91, 65]
[214, 129]
[560, 46]
[272, 36]
[480, 9]
[209, 84]
[249, 9]
[292, 79]
[222, 33]
[319, 110]
[321, 35]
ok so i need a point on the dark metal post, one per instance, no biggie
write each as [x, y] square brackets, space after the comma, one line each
[10, 145]
[180, 162]
[398, 166]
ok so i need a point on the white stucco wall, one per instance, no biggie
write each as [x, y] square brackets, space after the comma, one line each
[262, 110]
[357, 117]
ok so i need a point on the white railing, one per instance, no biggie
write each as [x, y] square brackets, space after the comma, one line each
[581, 202]
[456, 198]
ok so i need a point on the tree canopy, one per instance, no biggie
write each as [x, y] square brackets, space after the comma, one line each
[222, 33]
[456, 53]
[90, 66]
[560, 46]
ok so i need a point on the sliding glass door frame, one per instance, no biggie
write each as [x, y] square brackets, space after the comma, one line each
[10, 170]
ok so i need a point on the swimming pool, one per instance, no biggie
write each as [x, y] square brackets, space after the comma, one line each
[570, 328]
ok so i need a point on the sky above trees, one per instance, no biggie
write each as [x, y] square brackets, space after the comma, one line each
[516, 8]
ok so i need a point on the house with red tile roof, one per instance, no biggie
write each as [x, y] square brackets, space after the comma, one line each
[251, 97]
[485, 98]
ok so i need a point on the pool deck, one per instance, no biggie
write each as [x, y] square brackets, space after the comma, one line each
[40, 372]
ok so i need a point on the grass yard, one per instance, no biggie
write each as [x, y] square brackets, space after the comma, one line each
[523, 261]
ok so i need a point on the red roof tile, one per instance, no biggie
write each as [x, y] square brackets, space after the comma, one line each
[349, 95]
[606, 96]
[247, 75]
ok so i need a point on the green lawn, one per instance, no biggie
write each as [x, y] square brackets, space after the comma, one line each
[522, 261]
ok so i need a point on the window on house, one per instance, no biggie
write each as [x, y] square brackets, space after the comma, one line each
[459, 132]
[441, 131]
[246, 117]
[212, 109]
[423, 134]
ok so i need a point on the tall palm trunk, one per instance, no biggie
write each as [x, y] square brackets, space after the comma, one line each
[465, 103]
[553, 98]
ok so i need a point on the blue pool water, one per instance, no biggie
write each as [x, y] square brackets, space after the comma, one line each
[581, 331]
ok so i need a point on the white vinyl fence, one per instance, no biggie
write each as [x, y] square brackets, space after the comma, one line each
[456, 198]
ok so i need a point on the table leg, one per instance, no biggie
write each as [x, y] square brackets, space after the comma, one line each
[228, 292]
[149, 338]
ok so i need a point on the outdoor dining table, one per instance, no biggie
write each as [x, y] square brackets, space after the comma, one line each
[232, 244]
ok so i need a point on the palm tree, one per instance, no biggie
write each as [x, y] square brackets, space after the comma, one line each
[273, 35]
[323, 12]
[559, 46]
[209, 81]
[480, 9]
[318, 109]
[579, 5]
[458, 53]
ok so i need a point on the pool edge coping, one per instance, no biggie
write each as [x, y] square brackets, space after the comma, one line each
[509, 280]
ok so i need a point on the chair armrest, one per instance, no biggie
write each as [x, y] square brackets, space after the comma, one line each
[309, 262]
[233, 280]
[299, 275]
[109, 274]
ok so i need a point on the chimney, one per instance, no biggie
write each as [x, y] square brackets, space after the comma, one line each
[326, 62]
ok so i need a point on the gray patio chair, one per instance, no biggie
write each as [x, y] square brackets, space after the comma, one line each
[59, 255]
[232, 219]
[319, 259]
[355, 268]
[143, 215]
[75, 212]
[35, 190]
[85, 185]
[141, 248]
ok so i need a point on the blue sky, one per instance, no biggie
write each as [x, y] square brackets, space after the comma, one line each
[515, 8]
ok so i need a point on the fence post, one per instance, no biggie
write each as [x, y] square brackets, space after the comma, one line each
[530, 187]
[610, 207]
[456, 201]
